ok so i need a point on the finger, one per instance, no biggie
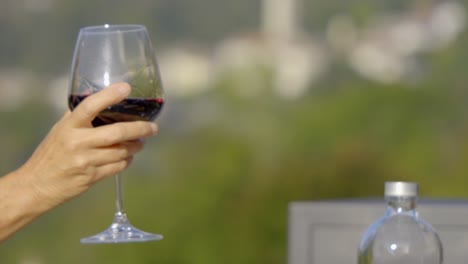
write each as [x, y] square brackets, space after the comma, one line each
[89, 108]
[122, 132]
[112, 169]
[115, 153]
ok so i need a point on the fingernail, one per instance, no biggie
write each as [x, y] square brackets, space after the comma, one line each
[123, 88]
[154, 128]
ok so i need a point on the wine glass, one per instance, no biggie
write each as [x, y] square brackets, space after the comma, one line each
[108, 54]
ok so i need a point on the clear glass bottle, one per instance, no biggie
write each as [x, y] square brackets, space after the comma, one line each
[400, 236]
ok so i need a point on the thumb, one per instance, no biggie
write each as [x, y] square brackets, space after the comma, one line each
[89, 108]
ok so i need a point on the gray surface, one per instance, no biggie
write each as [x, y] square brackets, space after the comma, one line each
[328, 232]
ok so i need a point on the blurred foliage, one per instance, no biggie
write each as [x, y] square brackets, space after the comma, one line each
[217, 180]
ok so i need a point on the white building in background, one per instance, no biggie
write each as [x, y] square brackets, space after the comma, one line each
[298, 64]
[15, 85]
[57, 93]
[279, 19]
[185, 71]
[387, 51]
[295, 59]
[447, 22]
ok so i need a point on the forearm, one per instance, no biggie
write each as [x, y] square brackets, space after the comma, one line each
[20, 204]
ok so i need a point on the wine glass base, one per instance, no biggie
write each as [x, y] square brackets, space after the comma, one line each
[121, 231]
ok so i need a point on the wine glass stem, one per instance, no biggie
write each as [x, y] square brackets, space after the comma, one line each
[119, 202]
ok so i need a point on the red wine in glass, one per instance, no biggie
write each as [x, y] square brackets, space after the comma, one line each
[130, 109]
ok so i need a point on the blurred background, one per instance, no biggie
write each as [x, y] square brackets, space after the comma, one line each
[268, 102]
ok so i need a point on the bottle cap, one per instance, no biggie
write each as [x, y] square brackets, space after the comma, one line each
[401, 189]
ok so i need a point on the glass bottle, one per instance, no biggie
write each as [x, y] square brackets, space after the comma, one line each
[400, 236]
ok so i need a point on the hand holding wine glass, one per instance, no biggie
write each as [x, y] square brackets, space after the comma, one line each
[72, 157]
[109, 54]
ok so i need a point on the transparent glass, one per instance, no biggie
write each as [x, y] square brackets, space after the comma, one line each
[400, 237]
[109, 54]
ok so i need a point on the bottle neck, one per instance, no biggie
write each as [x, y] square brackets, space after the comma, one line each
[401, 205]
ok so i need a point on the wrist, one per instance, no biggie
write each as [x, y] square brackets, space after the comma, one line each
[19, 204]
[38, 196]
